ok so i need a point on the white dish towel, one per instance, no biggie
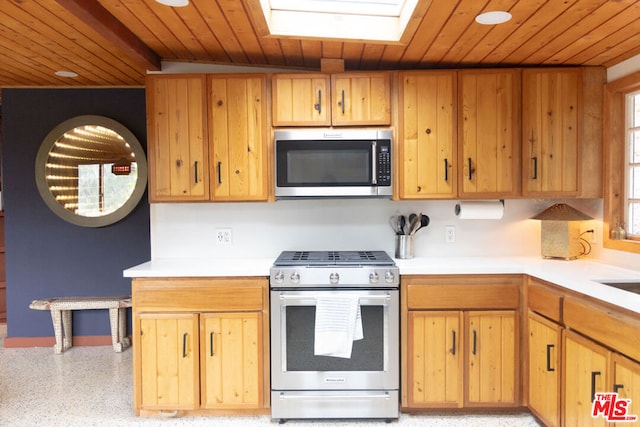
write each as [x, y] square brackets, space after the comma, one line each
[338, 324]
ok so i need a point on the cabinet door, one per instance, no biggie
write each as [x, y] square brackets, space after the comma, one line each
[231, 360]
[168, 368]
[492, 358]
[176, 113]
[427, 143]
[435, 359]
[300, 99]
[626, 382]
[551, 107]
[544, 369]
[237, 125]
[489, 133]
[361, 99]
[585, 373]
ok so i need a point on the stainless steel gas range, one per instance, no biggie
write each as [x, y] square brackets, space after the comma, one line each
[334, 335]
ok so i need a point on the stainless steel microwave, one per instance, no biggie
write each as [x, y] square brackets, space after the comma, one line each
[333, 163]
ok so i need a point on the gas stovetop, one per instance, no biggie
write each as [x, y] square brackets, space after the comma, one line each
[333, 258]
[358, 269]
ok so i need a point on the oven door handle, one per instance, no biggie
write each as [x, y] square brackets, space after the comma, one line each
[374, 163]
[311, 300]
[284, 396]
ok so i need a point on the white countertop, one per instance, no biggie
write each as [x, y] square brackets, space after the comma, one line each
[579, 275]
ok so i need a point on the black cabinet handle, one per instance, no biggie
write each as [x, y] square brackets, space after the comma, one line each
[342, 103]
[471, 170]
[195, 167]
[446, 170]
[475, 342]
[594, 375]
[211, 344]
[453, 348]
[617, 387]
[535, 167]
[184, 345]
[219, 172]
[318, 106]
[549, 368]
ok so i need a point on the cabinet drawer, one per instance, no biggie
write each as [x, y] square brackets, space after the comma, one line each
[463, 293]
[610, 327]
[544, 301]
[178, 294]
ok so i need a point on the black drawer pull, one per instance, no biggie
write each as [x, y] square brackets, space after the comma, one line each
[549, 368]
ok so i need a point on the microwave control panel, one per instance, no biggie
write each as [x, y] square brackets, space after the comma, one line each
[384, 163]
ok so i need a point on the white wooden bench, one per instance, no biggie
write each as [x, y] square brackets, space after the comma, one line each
[61, 309]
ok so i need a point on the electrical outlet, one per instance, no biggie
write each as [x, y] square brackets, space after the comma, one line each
[450, 233]
[224, 236]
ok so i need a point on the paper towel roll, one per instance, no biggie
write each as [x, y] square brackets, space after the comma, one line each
[480, 210]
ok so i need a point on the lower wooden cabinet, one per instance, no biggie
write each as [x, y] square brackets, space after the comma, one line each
[585, 373]
[435, 359]
[466, 357]
[544, 369]
[626, 382]
[199, 345]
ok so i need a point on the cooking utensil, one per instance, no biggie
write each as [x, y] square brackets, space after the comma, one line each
[395, 224]
[402, 224]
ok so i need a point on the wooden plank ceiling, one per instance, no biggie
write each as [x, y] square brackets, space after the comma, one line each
[114, 42]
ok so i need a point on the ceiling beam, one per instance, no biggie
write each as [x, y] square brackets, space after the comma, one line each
[104, 23]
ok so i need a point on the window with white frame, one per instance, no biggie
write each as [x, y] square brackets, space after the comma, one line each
[632, 167]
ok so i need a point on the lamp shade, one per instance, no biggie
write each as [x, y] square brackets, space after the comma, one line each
[561, 212]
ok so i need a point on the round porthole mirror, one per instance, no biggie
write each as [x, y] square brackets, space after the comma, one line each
[91, 171]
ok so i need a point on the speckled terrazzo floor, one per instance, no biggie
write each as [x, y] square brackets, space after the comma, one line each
[91, 386]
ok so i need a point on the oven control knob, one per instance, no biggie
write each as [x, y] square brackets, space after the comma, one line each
[374, 277]
[279, 277]
[295, 277]
[389, 276]
[334, 278]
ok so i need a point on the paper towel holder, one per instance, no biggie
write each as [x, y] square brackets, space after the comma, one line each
[457, 208]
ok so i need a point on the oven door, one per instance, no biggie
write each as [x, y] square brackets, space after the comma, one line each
[374, 362]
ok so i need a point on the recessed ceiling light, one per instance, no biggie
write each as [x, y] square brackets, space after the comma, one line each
[174, 3]
[493, 18]
[62, 73]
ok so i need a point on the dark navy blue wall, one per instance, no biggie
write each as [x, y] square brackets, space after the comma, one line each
[46, 256]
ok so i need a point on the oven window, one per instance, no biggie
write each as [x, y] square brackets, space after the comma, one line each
[367, 354]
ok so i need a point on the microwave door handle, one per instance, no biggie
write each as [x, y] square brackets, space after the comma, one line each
[374, 164]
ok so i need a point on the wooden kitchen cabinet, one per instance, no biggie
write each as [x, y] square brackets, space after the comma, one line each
[238, 138]
[427, 143]
[626, 382]
[169, 354]
[544, 343]
[460, 348]
[489, 133]
[361, 99]
[551, 116]
[585, 373]
[231, 360]
[492, 340]
[177, 138]
[344, 99]
[199, 345]
[301, 99]
[435, 359]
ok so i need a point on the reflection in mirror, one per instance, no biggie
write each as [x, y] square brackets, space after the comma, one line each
[91, 171]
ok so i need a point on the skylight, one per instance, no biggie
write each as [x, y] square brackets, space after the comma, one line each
[366, 20]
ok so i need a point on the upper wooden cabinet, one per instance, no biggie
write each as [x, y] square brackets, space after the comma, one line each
[207, 138]
[551, 107]
[427, 149]
[238, 137]
[345, 99]
[361, 99]
[489, 133]
[177, 138]
[300, 99]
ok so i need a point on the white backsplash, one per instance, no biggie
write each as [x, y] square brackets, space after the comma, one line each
[263, 230]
